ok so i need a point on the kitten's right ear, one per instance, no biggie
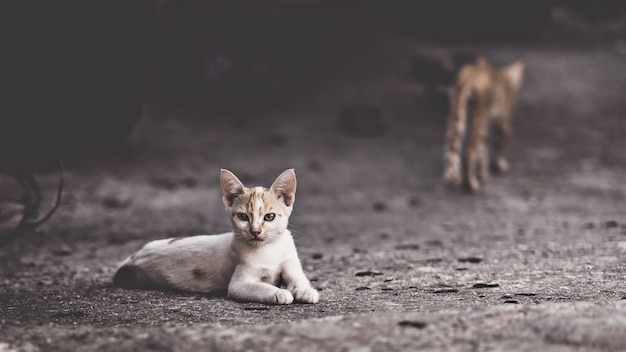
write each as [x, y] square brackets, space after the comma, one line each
[231, 187]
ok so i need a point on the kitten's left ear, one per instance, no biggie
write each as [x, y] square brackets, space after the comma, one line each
[231, 187]
[285, 187]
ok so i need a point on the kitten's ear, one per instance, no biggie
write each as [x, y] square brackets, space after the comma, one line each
[231, 187]
[515, 72]
[285, 187]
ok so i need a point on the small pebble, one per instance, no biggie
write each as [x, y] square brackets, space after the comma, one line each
[368, 273]
[414, 202]
[407, 246]
[611, 224]
[473, 260]
[511, 301]
[317, 256]
[379, 205]
[526, 294]
[483, 285]
[413, 324]
[446, 290]
[362, 288]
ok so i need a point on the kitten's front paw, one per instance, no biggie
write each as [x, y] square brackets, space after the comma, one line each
[306, 295]
[282, 297]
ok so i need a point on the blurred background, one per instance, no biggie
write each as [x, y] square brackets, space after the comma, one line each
[75, 74]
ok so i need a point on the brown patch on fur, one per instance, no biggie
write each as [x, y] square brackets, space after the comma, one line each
[174, 239]
[198, 274]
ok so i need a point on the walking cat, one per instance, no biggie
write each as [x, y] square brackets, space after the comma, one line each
[256, 262]
[489, 93]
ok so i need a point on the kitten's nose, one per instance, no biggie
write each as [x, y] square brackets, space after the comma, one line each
[255, 233]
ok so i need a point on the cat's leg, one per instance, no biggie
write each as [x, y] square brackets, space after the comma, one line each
[249, 288]
[297, 283]
[455, 132]
[476, 151]
[502, 132]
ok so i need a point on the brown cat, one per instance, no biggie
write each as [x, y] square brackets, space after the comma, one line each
[489, 93]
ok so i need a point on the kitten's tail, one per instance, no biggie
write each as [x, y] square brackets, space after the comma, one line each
[130, 277]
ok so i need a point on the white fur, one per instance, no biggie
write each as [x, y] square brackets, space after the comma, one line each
[250, 268]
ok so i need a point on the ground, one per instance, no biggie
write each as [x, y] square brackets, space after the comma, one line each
[534, 261]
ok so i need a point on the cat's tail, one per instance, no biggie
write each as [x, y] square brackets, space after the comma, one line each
[130, 277]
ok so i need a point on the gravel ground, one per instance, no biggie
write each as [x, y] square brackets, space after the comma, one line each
[534, 261]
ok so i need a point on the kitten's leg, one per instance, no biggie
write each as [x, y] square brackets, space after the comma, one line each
[476, 150]
[500, 141]
[298, 284]
[244, 287]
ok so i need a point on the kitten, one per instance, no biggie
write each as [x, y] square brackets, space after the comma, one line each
[251, 263]
[489, 93]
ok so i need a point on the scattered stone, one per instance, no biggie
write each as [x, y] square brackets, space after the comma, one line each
[589, 226]
[413, 324]
[379, 205]
[368, 273]
[511, 301]
[484, 285]
[414, 202]
[362, 288]
[446, 290]
[364, 122]
[386, 289]
[506, 297]
[461, 268]
[256, 308]
[611, 224]
[526, 294]
[317, 256]
[409, 246]
[433, 260]
[473, 260]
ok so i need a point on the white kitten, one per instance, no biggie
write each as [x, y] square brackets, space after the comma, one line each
[251, 263]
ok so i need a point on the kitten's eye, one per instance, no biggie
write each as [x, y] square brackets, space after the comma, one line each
[269, 217]
[242, 216]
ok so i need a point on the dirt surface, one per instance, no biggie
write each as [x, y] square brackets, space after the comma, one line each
[534, 261]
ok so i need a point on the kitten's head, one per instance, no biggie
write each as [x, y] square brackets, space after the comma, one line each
[259, 214]
[515, 73]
